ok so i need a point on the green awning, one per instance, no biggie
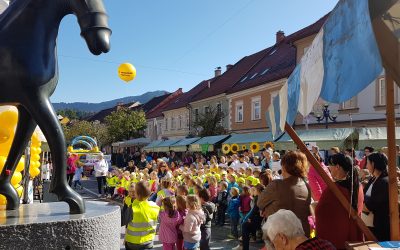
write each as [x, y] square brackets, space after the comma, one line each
[164, 146]
[200, 145]
[135, 142]
[324, 138]
[183, 144]
[247, 139]
[375, 137]
[150, 147]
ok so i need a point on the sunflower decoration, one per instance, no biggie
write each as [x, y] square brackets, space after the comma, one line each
[254, 147]
[269, 144]
[244, 147]
[234, 148]
[226, 148]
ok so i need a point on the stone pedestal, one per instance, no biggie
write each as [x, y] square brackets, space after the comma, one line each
[50, 226]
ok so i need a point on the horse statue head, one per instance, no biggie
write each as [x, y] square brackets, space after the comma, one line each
[93, 21]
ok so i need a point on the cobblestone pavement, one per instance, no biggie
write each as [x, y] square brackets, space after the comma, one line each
[219, 235]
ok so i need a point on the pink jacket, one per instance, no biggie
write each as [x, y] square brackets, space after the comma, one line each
[71, 162]
[191, 226]
[168, 232]
[316, 182]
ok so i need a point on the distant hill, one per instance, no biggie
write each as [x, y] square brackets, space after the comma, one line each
[95, 107]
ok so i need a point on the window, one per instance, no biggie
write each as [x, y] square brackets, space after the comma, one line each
[265, 71]
[206, 110]
[166, 124]
[196, 115]
[255, 74]
[173, 125]
[239, 112]
[381, 92]
[180, 121]
[159, 129]
[219, 112]
[350, 104]
[256, 108]
[244, 79]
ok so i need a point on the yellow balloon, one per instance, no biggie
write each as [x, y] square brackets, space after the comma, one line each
[34, 172]
[126, 72]
[3, 200]
[21, 165]
[4, 135]
[16, 178]
[35, 139]
[35, 157]
[20, 190]
[9, 119]
[5, 148]
[2, 162]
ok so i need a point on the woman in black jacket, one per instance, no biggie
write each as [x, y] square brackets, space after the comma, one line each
[376, 199]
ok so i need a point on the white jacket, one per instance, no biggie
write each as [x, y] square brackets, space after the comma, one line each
[101, 168]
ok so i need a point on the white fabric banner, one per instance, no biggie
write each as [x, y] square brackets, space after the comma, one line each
[311, 75]
[283, 103]
[3, 5]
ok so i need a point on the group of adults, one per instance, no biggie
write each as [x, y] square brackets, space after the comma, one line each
[332, 221]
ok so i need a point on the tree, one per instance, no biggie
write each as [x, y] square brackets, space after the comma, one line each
[209, 123]
[125, 124]
[93, 129]
[74, 114]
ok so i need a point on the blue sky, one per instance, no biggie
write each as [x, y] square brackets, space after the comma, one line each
[174, 43]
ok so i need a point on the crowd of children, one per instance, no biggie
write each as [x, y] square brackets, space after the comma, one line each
[193, 196]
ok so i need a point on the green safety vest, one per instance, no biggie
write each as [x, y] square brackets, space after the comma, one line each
[142, 229]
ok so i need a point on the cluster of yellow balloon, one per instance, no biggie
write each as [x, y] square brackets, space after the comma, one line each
[8, 124]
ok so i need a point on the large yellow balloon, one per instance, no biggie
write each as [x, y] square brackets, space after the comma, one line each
[4, 135]
[5, 148]
[2, 162]
[126, 72]
[21, 164]
[16, 178]
[20, 190]
[3, 200]
[34, 172]
[9, 119]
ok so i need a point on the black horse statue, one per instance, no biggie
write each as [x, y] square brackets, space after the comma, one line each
[29, 76]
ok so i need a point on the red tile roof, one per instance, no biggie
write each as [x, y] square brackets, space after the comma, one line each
[279, 62]
[225, 81]
[157, 111]
[187, 97]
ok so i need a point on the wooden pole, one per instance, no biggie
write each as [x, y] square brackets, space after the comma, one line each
[331, 185]
[392, 154]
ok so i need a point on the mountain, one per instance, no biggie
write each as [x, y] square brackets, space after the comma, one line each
[95, 107]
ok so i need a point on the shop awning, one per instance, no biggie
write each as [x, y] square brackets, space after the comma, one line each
[323, 138]
[116, 144]
[135, 142]
[152, 145]
[247, 139]
[183, 144]
[375, 137]
[206, 144]
[164, 146]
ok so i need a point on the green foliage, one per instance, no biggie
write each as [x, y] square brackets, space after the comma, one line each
[74, 114]
[209, 123]
[93, 129]
[125, 124]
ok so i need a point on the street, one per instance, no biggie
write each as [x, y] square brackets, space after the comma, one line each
[219, 238]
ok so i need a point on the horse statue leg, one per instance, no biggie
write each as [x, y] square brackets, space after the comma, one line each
[44, 114]
[23, 133]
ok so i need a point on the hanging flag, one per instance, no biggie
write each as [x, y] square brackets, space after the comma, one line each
[342, 60]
